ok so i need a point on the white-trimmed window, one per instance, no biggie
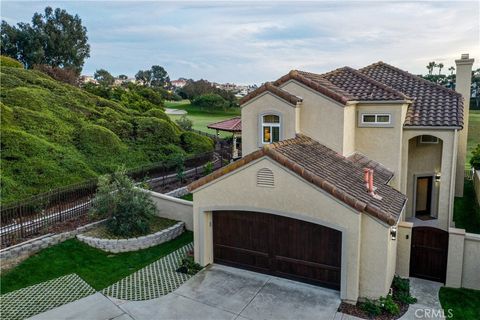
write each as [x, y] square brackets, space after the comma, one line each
[270, 128]
[376, 118]
[428, 139]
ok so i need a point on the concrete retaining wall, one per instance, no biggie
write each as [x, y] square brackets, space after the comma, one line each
[463, 268]
[173, 208]
[15, 254]
[133, 244]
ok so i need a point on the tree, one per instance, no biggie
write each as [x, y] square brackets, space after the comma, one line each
[440, 67]
[475, 160]
[104, 77]
[54, 38]
[144, 76]
[157, 76]
[452, 70]
[160, 77]
[210, 101]
[123, 77]
[431, 66]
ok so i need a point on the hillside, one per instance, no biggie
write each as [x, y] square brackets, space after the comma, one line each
[54, 134]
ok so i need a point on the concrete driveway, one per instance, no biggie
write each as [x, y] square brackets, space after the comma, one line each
[218, 292]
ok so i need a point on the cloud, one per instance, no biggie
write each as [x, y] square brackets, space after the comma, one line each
[255, 42]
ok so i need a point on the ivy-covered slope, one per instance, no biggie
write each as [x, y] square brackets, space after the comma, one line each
[54, 134]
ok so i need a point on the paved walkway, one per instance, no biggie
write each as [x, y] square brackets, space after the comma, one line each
[428, 304]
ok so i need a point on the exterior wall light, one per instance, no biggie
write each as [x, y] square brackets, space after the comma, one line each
[393, 233]
[437, 177]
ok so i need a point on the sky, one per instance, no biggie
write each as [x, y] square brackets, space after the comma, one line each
[253, 42]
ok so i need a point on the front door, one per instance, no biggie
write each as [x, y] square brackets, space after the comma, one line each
[423, 199]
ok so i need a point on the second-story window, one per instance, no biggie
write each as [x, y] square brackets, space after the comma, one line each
[270, 128]
[376, 118]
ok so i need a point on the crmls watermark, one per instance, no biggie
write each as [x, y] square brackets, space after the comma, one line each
[430, 313]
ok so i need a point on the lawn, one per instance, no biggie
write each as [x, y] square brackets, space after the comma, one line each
[202, 118]
[466, 212]
[464, 303]
[473, 134]
[98, 268]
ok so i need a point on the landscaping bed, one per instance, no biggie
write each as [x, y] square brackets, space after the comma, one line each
[98, 268]
[156, 224]
[393, 306]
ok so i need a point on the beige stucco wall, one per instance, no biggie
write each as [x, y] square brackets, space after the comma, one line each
[471, 265]
[404, 245]
[251, 113]
[447, 170]
[378, 258]
[383, 145]
[294, 197]
[456, 250]
[320, 117]
[423, 160]
[173, 208]
[349, 128]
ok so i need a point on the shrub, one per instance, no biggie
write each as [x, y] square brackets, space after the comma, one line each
[401, 290]
[157, 113]
[129, 210]
[371, 307]
[207, 168]
[195, 143]
[154, 131]
[10, 62]
[66, 75]
[475, 160]
[189, 266]
[388, 305]
[210, 101]
[184, 123]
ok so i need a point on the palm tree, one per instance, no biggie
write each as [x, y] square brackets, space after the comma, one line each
[451, 69]
[440, 66]
[430, 67]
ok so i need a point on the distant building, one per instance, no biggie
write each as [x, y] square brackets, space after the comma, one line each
[180, 83]
[87, 79]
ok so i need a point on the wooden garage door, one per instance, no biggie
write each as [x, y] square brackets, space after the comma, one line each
[279, 246]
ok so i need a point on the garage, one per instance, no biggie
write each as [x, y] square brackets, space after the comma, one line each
[279, 246]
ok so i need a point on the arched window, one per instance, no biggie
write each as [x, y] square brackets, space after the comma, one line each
[270, 128]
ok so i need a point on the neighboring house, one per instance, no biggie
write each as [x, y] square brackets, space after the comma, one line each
[178, 84]
[334, 165]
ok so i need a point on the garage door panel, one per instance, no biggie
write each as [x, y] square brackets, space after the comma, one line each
[279, 246]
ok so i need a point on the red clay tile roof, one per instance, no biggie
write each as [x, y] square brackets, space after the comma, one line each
[290, 98]
[362, 87]
[433, 105]
[323, 167]
[229, 125]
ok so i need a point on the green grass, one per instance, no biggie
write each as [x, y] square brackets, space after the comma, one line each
[202, 118]
[188, 197]
[466, 212]
[473, 134]
[98, 268]
[464, 303]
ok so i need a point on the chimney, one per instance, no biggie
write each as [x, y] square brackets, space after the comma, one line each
[462, 86]
[368, 178]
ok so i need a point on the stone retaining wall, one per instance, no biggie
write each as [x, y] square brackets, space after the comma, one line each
[13, 255]
[133, 244]
[177, 193]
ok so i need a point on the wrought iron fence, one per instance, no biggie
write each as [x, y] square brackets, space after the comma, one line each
[33, 216]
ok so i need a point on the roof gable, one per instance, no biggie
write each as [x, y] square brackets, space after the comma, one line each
[326, 169]
[269, 87]
[433, 105]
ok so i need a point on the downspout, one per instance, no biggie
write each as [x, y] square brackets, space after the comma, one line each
[453, 178]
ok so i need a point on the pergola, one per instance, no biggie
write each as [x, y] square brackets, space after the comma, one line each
[234, 126]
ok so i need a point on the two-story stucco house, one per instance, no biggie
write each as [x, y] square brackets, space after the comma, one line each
[334, 166]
